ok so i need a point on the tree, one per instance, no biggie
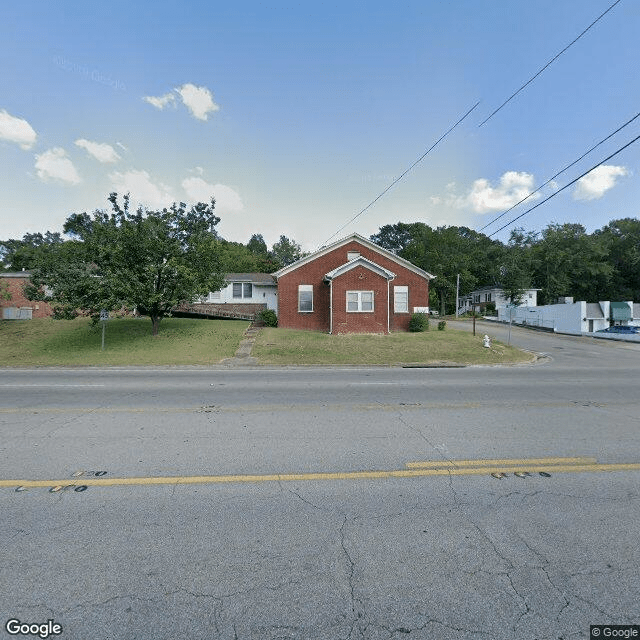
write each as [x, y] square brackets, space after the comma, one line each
[396, 237]
[5, 294]
[236, 258]
[257, 245]
[621, 238]
[149, 260]
[286, 252]
[19, 255]
[568, 261]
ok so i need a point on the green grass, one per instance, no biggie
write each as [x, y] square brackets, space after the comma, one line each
[128, 341]
[293, 347]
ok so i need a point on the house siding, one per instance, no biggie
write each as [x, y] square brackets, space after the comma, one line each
[313, 272]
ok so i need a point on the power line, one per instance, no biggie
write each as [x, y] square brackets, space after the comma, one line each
[433, 146]
[528, 82]
[566, 185]
[544, 184]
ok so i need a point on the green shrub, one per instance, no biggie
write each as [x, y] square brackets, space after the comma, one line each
[442, 325]
[419, 322]
[268, 317]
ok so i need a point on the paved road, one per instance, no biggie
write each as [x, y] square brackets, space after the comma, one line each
[288, 553]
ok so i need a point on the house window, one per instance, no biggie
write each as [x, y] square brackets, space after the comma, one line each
[359, 301]
[401, 299]
[352, 255]
[242, 290]
[487, 297]
[305, 297]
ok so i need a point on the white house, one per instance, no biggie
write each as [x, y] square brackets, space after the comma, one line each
[479, 299]
[245, 289]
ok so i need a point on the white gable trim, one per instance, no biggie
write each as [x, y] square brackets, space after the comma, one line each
[357, 238]
[360, 262]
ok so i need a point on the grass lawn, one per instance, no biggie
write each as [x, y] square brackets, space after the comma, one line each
[290, 346]
[128, 341]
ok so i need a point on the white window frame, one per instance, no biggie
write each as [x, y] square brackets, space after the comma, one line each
[244, 286]
[305, 288]
[359, 302]
[399, 291]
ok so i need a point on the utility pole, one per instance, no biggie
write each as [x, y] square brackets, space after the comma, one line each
[457, 292]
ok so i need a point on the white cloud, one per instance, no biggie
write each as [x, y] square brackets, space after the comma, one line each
[160, 102]
[54, 165]
[227, 199]
[100, 151]
[198, 100]
[513, 187]
[142, 189]
[597, 182]
[16, 130]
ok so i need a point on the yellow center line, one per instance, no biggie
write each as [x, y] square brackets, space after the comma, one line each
[499, 461]
[350, 475]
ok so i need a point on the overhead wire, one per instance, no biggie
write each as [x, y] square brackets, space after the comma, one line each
[555, 193]
[433, 146]
[544, 184]
[528, 82]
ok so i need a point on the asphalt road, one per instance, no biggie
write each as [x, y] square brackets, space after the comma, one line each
[283, 503]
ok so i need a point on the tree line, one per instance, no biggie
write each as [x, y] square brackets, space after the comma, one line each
[561, 260]
[154, 260]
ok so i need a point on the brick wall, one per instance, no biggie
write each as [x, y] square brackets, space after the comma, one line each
[15, 285]
[222, 309]
[360, 279]
[313, 273]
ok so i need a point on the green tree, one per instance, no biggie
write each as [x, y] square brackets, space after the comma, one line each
[19, 255]
[4, 291]
[236, 258]
[448, 252]
[396, 237]
[149, 260]
[257, 245]
[286, 252]
[569, 262]
[621, 239]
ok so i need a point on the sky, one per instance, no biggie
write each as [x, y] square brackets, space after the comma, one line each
[296, 116]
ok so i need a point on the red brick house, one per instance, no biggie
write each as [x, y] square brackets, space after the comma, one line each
[351, 286]
[18, 307]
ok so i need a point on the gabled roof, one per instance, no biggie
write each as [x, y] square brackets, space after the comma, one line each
[363, 241]
[254, 278]
[360, 262]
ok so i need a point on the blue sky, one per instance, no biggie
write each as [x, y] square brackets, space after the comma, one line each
[296, 116]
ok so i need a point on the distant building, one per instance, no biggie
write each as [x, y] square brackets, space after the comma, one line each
[575, 317]
[18, 307]
[494, 298]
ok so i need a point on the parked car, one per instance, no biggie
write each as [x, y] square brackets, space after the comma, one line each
[620, 329]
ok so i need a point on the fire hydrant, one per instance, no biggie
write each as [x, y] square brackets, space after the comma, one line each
[487, 342]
